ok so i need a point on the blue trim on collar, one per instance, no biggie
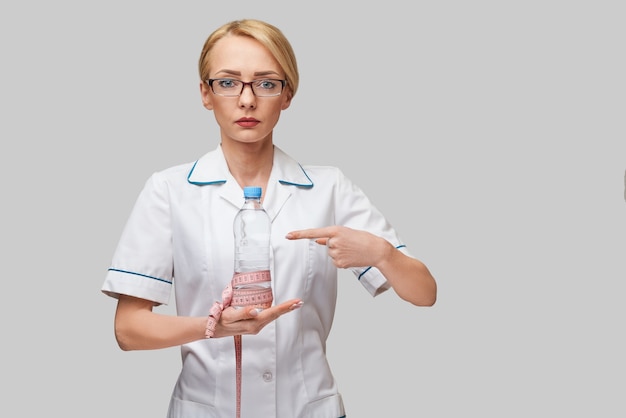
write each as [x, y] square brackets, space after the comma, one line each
[200, 183]
[288, 183]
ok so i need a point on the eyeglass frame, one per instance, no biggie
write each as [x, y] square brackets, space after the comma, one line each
[247, 83]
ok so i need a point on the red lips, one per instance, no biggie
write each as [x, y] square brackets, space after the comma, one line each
[247, 122]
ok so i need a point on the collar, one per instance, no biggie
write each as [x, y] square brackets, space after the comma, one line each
[211, 168]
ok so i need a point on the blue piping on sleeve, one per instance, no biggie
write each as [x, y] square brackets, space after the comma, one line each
[142, 275]
[368, 269]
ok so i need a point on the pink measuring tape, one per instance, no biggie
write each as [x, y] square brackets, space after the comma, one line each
[260, 298]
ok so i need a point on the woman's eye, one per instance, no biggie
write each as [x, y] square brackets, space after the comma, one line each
[266, 84]
[228, 83]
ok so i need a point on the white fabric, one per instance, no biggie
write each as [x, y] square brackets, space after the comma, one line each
[180, 234]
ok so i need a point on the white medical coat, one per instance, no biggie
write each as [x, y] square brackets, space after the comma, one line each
[180, 234]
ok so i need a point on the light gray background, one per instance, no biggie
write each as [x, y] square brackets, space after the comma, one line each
[490, 133]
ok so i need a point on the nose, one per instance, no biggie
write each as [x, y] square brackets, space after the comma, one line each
[247, 97]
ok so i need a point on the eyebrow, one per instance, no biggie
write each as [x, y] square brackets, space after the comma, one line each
[256, 74]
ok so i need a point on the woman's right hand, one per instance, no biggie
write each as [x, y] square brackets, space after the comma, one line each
[241, 321]
[137, 327]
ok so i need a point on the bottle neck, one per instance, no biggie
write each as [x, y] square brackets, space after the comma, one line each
[252, 202]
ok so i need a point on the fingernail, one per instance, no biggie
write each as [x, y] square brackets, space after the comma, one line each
[296, 305]
[289, 235]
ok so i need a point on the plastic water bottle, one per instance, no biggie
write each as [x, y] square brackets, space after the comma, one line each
[252, 279]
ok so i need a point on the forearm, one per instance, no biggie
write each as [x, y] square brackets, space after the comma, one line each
[142, 329]
[348, 247]
[409, 277]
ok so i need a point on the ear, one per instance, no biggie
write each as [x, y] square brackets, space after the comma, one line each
[286, 100]
[207, 95]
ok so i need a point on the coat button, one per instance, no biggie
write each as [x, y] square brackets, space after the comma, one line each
[267, 376]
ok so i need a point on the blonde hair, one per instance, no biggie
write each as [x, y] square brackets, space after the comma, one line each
[268, 35]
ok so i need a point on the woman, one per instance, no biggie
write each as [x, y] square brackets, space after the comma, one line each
[179, 234]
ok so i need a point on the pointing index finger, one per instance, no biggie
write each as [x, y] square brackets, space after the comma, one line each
[312, 233]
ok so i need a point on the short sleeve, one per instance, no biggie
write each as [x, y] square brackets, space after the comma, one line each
[142, 264]
[355, 210]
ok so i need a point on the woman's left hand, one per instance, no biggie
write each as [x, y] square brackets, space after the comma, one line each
[347, 247]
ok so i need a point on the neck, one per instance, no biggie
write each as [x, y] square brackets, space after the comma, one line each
[249, 164]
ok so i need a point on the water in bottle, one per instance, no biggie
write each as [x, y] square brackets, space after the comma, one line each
[252, 279]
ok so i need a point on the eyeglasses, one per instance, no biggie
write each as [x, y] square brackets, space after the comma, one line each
[229, 87]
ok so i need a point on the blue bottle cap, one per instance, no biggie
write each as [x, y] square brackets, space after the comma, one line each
[252, 192]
